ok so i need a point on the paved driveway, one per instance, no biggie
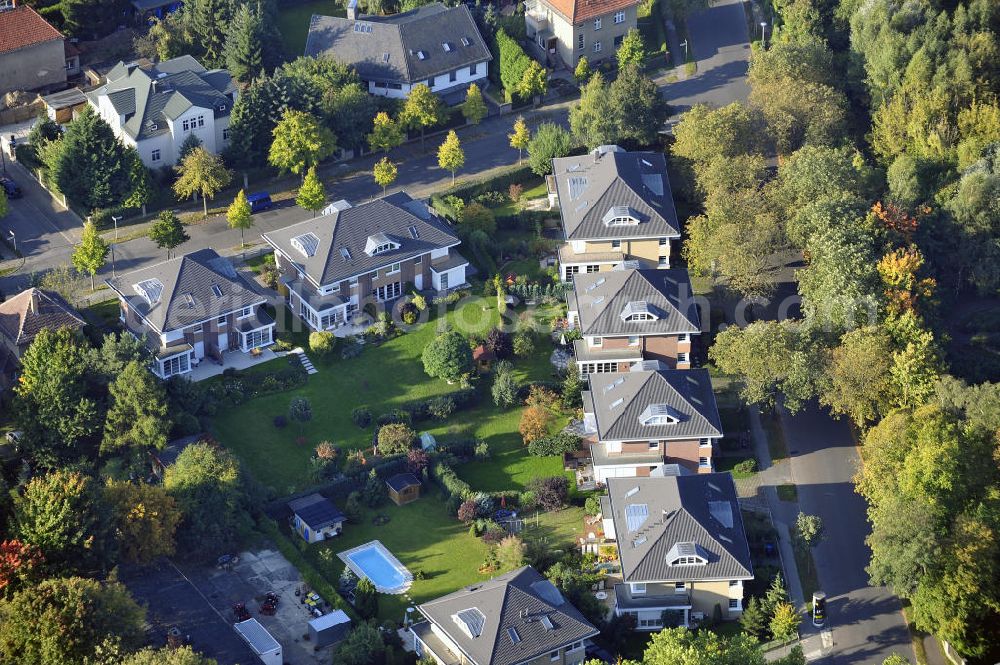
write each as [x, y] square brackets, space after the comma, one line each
[718, 37]
[866, 622]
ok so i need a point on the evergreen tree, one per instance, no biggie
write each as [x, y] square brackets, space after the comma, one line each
[137, 411]
[246, 45]
[209, 19]
[312, 194]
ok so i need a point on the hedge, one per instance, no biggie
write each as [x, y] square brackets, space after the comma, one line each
[309, 573]
[471, 189]
[450, 483]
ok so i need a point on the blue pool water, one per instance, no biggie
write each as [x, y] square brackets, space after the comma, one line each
[382, 572]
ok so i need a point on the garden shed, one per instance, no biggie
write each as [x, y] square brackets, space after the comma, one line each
[316, 518]
[403, 488]
[329, 628]
[483, 358]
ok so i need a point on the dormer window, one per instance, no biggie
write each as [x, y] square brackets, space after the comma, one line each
[306, 244]
[471, 621]
[150, 290]
[687, 554]
[621, 216]
[658, 414]
[638, 310]
[379, 243]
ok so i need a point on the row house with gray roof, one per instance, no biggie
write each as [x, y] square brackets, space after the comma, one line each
[156, 107]
[627, 315]
[643, 422]
[334, 264]
[682, 547]
[434, 44]
[615, 206]
[518, 618]
[190, 308]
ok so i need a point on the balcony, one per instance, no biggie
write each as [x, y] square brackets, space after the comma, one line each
[657, 597]
[536, 18]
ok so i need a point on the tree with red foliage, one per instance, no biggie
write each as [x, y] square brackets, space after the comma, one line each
[467, 511]
[499, 343]
[417, 460]
[896, 220]
[18, 562]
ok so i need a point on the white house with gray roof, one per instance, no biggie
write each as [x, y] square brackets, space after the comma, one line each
[681, 545]
[334, 264]
[628, 315]
[615, 206]
[518, 618]
[638, 422]
[192, 307]
[434, 44]
[155, 107]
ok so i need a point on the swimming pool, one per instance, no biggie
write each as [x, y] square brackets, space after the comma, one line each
[374, 561]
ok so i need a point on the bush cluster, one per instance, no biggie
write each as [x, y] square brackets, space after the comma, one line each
[557, 444]
[236, 388]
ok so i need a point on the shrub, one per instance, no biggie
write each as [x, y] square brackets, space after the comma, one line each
[467, 511]
[353, 508]
[515, 191]
[441, 407]
[322, 343]
[280, 422]
[396, 416]
[499, 343]
[491, 198]
[527, 500]
[552, 493]
[366, 598]
[534, 424]
[448, 356]
[592, 506]
[374, 492]
[747, 466]
[455, 487]
[326, 451]
[476, 217]
[419, 302]
[572, 388]
[417, 460]
[482, 450]
[504, 389]
[541, 396]
[362, 416]
[409, 313]
[395, 439]
[557, 444]
[524, 345]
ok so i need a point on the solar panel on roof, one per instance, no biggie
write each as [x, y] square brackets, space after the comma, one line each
[636, 515]
[576, 186]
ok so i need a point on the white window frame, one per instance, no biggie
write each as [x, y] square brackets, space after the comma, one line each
[619, 16]
[581, 42]
[634, 340]
[597, 341]
[597, 47]
[663, 262]
[245, 313]
[684, 337]
[554, 656]
[597, 24]
[637, 588]
[155, 155]
[393, 269]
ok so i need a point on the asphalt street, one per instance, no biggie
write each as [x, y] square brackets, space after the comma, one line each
[865, 623]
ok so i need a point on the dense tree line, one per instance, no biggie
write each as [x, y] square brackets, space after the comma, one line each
[885, 122]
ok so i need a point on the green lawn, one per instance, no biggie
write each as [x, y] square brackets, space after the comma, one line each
[293, 22]
[424, 538]
[383, 378]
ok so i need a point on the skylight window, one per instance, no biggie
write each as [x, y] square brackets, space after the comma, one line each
[414, 233]
[513, 635]
[547, 623]
[618, 402]
[639, 541]
[421, 55]
[614, 384]
[150, 290]
[385, 57]
[466, 42]
[636, 515]
[446, 46]
[599, 282]
[471, 621]
[345, 253]
[632, 492]
[217, 290]
[362, 27]
[306, 244]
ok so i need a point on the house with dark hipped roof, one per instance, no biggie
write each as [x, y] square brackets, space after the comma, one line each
[434, 44]
[681, 544]
[193, 307]
[642, 421]
[25, 315]
[155, 108]
[615, 206]
[333, 264]
[563, 31]
[626, 316]
[512, 619]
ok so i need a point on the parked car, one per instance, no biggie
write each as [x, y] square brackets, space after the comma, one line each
[10, 187]
[260, 201]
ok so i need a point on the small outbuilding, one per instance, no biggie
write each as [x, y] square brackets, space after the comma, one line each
[316, 518]
[427, 442]
[403, 488]
[483, 358]
[265, 646]
[329, 628]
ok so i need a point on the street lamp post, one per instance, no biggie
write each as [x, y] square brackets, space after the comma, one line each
[763, 33]
[13, 240]
[115, 219]
[685, 45]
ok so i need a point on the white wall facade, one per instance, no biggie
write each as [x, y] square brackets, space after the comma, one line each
[441, 83]
[455, 278]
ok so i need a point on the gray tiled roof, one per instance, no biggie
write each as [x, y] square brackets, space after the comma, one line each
[687, 392]
[20, 321]
[600, 299]
[148, 95]
[590, 185]
[400, 37]
[350, 228]
[516, 600]
[189, 290]
[700, 510]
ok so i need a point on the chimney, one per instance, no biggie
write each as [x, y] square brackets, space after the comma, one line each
[34, 301]
[352, 10]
